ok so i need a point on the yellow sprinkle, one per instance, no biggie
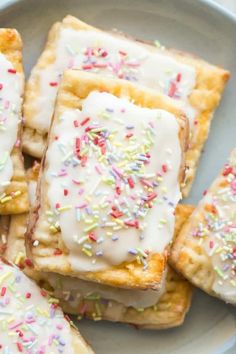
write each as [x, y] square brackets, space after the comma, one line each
[53, 229]
[64, 208]
[115, 228]
[163, 221]
[116, 143]
[88, 198]
[109, 233]
[6, 199]
[5, 276]
[49, 213]
[140, 309]
[17, 193]
[87, 252]
[120, 222]
[88, 221]
[91, 227]
[53, 301]
[19, 258]
[42, 312]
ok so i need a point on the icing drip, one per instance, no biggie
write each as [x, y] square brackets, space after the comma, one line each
[112, 173]
[10, 106]
[99, 52]
[75, 290]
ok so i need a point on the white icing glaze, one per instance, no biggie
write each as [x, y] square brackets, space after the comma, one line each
[10, 106]
[74, 49]
[32, 185]
[218, 232]
[123, 155]
[73, 290]
[29, 323]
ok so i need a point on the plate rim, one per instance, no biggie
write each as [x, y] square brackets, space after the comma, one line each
[208, 4]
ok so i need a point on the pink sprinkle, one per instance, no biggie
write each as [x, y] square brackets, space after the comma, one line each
[233, 185]
[62, 174]
[3, 291]
[122, 52]
[211, 244]
[178, 77]
[7, 104]
[98, 169]
[53, 84]
[151, 124]
[12, 71]
[81, 191]
[17, 143]
[132, 65]
[104, 54]
[71, 63]
[1, 86]
[81, 206]
[59, 326]
[172, 89]
[87, 67]
[115, 169]
[66, 192]
[85, 121]
[15, 325]
[50, 339]
[89, 52]
[100, 65]
[164, 168]
[146, 183]
[76, 182]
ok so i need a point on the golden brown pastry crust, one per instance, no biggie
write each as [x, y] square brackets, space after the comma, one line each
[210, 83]
[11, 47]
[4, 228]
[75, 86]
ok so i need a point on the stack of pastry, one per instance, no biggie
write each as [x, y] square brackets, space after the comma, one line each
[119, 126]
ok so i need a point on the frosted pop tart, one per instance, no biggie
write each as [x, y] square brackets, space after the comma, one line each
[205, 249]
[196, 85]
[13, 186]
[109, 183]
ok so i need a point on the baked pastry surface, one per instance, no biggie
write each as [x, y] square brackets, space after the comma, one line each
[80, 94]
[204, 251]
[13, 186]
[188, 79]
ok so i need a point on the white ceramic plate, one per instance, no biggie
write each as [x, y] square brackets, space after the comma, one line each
[201, 28]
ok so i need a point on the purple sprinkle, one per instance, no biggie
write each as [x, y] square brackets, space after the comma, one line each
[133, 252]
[99, 253]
